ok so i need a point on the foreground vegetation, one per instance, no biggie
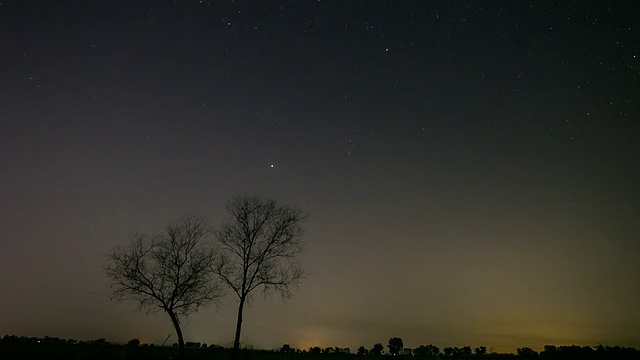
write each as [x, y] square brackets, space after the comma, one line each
[181, 270]
[14, 348]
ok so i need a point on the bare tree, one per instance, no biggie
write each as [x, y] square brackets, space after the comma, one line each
[260, 246]
[169, 271]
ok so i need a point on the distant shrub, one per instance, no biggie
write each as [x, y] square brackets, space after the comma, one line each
[133, 343]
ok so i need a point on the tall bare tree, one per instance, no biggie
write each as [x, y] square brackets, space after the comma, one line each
[260, 245]
[170, 271]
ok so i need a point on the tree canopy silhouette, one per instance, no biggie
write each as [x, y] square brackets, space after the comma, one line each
[395, 345]
[481, 350]
[362, 351]
[377, 349]
[170, 271]
[260, 245]
[427, 350]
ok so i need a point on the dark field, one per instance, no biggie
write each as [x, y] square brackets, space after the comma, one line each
[12, 347]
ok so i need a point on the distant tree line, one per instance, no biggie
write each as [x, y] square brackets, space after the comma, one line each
[30, 348]
[395, 347]
[102, 349]
[47, 340]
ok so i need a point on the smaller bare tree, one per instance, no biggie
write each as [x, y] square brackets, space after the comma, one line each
[169, 272]
[259, 248]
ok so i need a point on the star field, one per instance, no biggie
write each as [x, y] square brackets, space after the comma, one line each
[471, 169]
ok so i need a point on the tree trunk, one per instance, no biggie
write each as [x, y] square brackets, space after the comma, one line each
[176, 325]
[235, 354]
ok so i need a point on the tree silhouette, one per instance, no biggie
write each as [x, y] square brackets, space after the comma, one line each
[260, 246]
[133, 343]
[551, 350]
[481, 350]
[428, 350]
[465, 351]
[395, 345]
[362, 351]
[169, 272]
[377, 349]
[527, 352]
[434, 350]
[449, 351]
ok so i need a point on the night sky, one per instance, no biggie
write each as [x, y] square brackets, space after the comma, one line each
[472, 169]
